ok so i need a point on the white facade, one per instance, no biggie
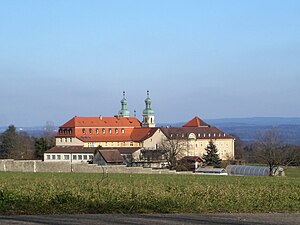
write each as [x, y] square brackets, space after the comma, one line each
[68, 157]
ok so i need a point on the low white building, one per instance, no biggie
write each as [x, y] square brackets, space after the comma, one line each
[72, 154]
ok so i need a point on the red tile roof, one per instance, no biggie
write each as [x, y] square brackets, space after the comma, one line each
[141, 134]
[113, 121]
[196, 122]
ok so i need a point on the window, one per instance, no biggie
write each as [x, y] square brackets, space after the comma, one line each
[198, 135]
[112, 144]
[83, 131]
[110, 131]
[65, 131]
[106, 144]
[85, 157]
[53, 157]
[118, 144]
[66, 139]
[103, 130]
[48, 157]
[59, 157]
[209, 135]
[60, 131]
[79, 157]
[66, 157]
[90, 144]
[70, 139]
[90, 157]
[123, 131]
[91, 131]
[60, 140]
[97, 131]
[124, 144]
[70, 131]
[116, 131]
[74, 157]
[131, 144]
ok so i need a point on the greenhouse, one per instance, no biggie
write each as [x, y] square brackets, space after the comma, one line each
[252, 170]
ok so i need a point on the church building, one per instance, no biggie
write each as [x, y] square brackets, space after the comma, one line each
[78, 138]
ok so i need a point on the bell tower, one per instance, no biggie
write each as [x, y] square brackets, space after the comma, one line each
[148, 113]
[124, 112]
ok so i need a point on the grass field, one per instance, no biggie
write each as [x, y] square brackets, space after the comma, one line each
[46, 193]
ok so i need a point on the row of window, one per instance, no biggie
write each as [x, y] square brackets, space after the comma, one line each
[201, 144]
[221, 153]
[110, 130]
[90, 130]
[58, 157]
[65, 139]
[65, 131]
[67, 157]
[203, 135]
[112, 144]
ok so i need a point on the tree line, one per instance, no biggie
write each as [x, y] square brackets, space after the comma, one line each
[19, 145]
[268, 149]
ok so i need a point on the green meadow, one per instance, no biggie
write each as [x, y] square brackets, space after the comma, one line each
[65, 193]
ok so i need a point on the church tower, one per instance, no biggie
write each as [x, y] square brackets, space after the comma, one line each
[148, 114]
[124, 112]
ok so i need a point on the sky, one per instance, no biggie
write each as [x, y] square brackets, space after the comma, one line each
[212, 59]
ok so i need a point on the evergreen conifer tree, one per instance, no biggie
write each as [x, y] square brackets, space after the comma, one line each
[212, 157]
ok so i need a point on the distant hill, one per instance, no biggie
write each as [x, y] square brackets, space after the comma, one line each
[248, 129]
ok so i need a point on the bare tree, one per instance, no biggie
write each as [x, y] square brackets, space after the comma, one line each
[173, 149]
[270, 150]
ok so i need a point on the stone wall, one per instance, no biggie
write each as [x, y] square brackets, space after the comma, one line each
[10, 165]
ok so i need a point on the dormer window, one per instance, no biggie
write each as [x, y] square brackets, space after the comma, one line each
[214, 134]
[116, 131]
[110, 131]
[60, 131]
[83, 131]
[97, 131]
[65, 131]
[103, 130]
[123, 131]
[198, 135]
[70, 131]
[209, 135]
